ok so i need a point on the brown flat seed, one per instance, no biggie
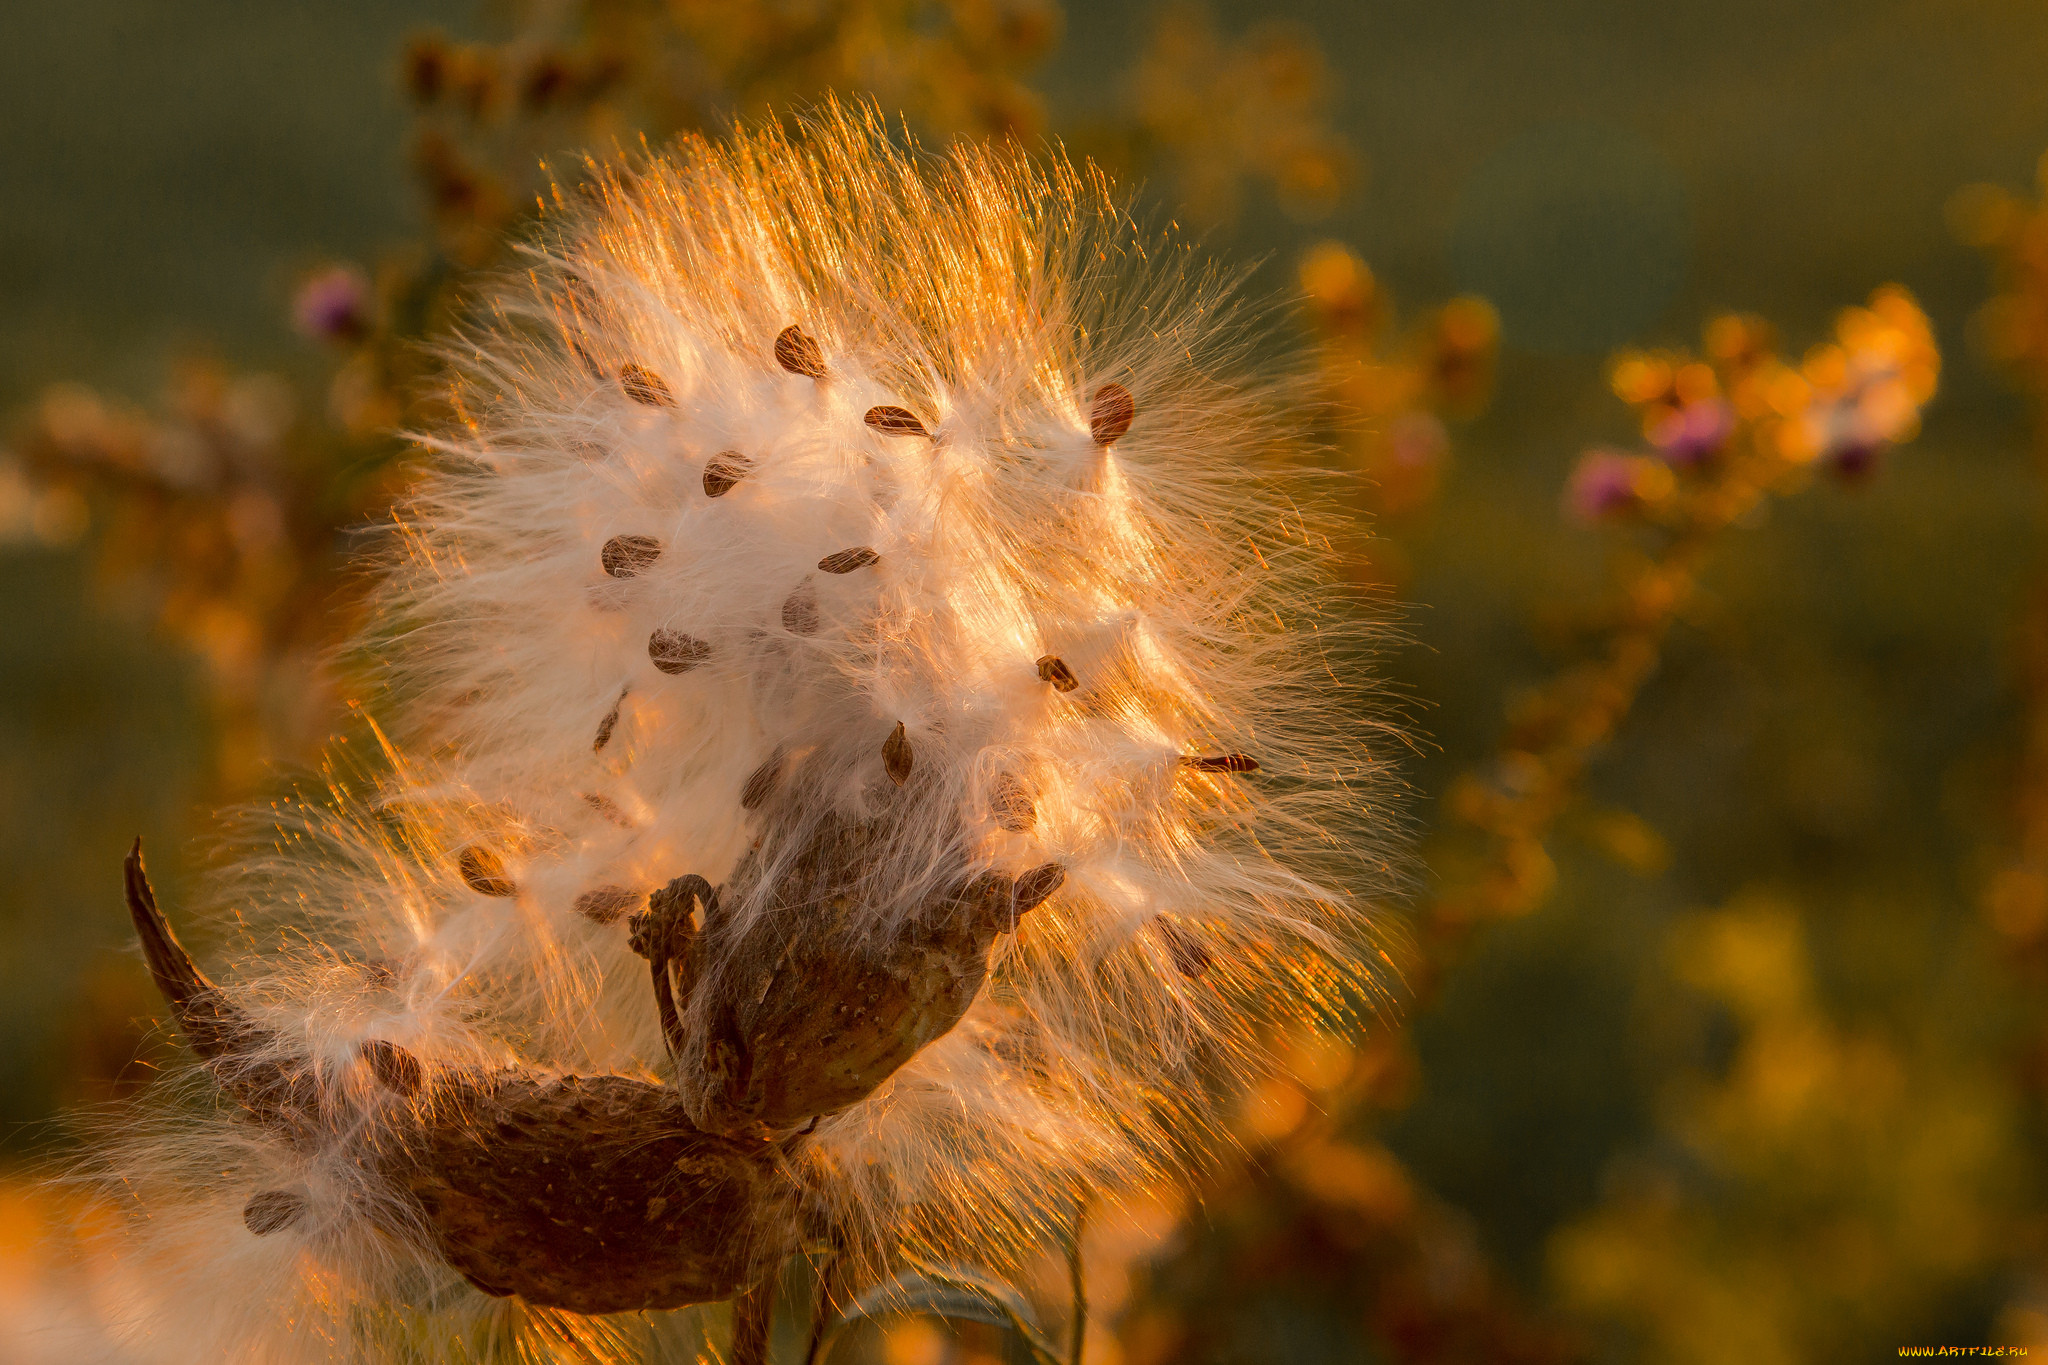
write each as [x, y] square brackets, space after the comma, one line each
[727, 468]
[627, 556]
[1011, 804]
[395, 1069]
[846, 561]
[1190, 958]
[800, 610]
[271, 1211]
[485, 872]
[606, 903]
[643, 385]
[1109, 416]
[761, 782]
[796, 352]
[674, 652]
[1221, 763]
[1054, 670]
[607, 725]
[1035, 886]
[897, 756]
[894, 421]
[608, 808]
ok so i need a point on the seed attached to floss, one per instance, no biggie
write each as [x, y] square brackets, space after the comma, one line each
[271, 1211]
[604, 904]
[894, 421]
[846, 561]
[1053, 669]
[607, 725]
[395, 1069]
[800, 610]
[607, 808]
[761, 782]
[1109, 416]
[1221, 763]
[485, 872]
[643, 385]
[674, 652]
[897, 756]
[727, 468]
[629, 556]
[1011, 804]
[1190, 958]
[1035, 887]
[796, 352]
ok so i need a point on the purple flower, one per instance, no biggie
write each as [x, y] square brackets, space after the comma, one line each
[1689, 435]
[333, 304]
[1603, 485]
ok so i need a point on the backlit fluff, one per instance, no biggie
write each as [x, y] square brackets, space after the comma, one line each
[808, 492]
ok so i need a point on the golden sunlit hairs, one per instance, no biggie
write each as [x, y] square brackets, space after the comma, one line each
[870, 758]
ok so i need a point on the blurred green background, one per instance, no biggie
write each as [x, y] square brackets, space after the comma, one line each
[1825, 748]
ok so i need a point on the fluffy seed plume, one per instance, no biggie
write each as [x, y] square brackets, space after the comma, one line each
[830, 837]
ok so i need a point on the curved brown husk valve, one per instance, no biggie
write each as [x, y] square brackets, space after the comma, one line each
[594, 1194]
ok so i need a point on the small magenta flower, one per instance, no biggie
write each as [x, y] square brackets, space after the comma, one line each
[1608, 484]
[333, 304]
[1691, 433]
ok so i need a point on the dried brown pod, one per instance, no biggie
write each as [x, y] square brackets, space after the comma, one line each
[798, 353]
[1110, 414]
[846, 561]
[674, 652]
[271, 1211]
[484, 870]
[643, 385]
[604, 904]
[628, 556]
[894, 421]
[897, 755]
[607, 725]
[395, 1069]
[1010, 803]
[727, 468]
[1053, 669]
[1035, 887]
[1221, 763]
[1190, 958]
[762, 781]
[591, 1194]
[783, 1027]
[800, 610]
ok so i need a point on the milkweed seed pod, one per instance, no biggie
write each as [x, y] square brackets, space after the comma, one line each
[873, 757]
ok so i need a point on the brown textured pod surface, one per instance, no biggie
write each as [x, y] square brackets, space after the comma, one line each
[791, 1025]
[593, 1193]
